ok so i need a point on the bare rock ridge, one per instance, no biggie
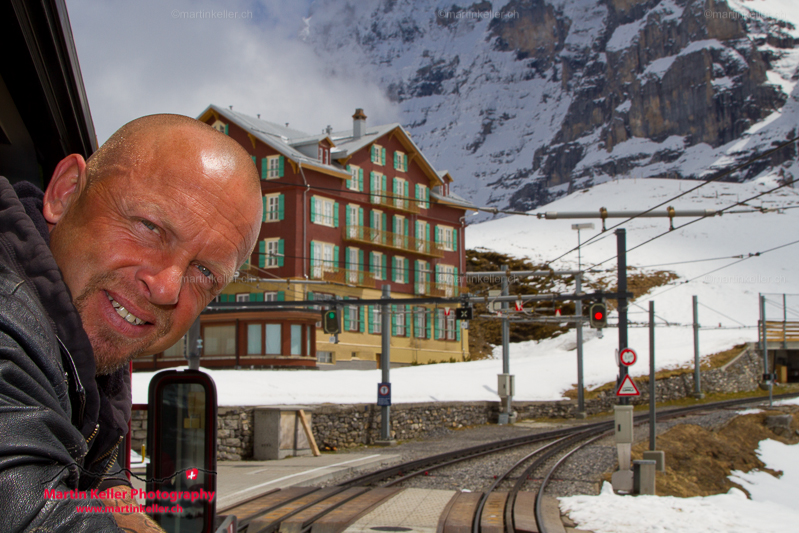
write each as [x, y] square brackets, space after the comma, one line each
[526, 100]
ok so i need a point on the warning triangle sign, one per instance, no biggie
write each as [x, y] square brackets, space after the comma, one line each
[627, 387]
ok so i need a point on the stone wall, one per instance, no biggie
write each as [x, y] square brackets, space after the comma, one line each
[344, 426]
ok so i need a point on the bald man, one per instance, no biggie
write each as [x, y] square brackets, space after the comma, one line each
[116, 259]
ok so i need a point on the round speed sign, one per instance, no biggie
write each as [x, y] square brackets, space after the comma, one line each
[628, 357]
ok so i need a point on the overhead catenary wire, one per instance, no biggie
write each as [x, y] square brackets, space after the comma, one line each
[704, 183]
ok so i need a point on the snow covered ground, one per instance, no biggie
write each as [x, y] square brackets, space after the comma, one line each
[772, 507]
[544, 370]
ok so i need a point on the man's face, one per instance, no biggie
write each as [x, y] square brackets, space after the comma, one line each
[146, 248]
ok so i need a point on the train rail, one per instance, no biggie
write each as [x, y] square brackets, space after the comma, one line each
[333, 509]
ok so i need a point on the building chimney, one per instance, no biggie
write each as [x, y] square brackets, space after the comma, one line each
[358, 124]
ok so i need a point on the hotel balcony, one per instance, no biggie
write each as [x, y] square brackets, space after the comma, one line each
[358, 278]
[393, 241]
[396, 201]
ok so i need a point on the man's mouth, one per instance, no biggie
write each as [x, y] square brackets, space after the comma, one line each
[124, 313]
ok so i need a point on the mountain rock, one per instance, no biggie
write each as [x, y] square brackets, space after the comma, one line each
[524, 101]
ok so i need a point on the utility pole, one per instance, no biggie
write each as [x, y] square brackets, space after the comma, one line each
[385, 368]
[578, 310]
[697, 377]
[505, 382]
[621, 253]
[764, 347]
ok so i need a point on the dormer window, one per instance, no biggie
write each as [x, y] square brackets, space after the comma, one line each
[220, 126]
[324, 154]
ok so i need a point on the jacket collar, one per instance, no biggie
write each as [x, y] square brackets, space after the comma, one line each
[107, 399]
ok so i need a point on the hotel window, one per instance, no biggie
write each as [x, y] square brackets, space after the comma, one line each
[400, 161]
[422, 236]
[220, 126]
[420, 323]
[272, 167]
[324, 357]
[219, 340]
[274, 253]
[423, 196]
[445, 325]
[274, 209]
[447, 279]
[378, 155]
[243, 297]
[378, 266]
[273, 339]
[375, 319]
[422, 278]
[324, 258]
[296, 339]
[324, 154]
[355, 183]
[354, 317]
[377, 184]
[324, 211]
[447, 238]
[400, 193]
[399, 320]
[399, 268]
[254, 339]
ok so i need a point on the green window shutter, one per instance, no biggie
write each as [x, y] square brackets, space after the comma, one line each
[262, 254]
[417, 191]
[360, 222]
[256, 297]
[281, 296]
[372, 155]
[361, 264]
[382, 156]
[384, 183]
[310, 295]
[347, 264]
[264, 168]
[313, 209]
[335, 256]
[416, 273]
[362, 318]
[455, 239]
[405, 162]
[396, 160]
[281, 207]
[360, 179]
[407, 187]
[438, 273]
[455, 274]
[457, 330]
[281, 165]
[384, 220]
[313, 245]
[373, 263]
[347, 216]
[405, 230]
[393, 319]
[372, 186]
[335, 214]
[384, 266]
[393, 269]
[394, 227]
[346, 318]
[227, 130]
[371, 319]
[437, 234]
[263, 201]
[427, 232]
[433, 320]
[427, 197]
[280, 250]
[371, 219]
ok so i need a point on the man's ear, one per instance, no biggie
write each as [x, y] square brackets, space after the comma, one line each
[68, 181]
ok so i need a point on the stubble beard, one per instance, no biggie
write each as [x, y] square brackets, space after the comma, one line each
[111, 350]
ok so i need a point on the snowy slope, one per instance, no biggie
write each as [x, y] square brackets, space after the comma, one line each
[546, 369]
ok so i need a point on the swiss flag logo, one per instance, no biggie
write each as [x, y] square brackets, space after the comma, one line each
[191, 474]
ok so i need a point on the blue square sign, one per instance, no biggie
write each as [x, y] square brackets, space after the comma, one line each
[384, 394]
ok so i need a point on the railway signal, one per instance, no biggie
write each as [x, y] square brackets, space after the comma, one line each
[598, 316]
[464, 313]
[330, 322]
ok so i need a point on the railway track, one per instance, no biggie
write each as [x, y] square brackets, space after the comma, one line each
[334, 509]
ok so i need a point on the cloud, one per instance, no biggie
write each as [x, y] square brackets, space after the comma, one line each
[144, 57]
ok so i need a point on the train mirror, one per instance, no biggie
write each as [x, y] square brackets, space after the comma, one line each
[181, 421]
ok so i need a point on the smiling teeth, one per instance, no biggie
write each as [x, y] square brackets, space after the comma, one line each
[124, 313]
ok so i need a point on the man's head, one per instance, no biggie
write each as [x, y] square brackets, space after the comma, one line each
[150, 229]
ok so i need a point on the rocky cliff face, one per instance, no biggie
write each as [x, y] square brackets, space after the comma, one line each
[526, 100]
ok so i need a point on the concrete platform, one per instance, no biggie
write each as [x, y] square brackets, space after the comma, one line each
[238, 481]
[412, 510]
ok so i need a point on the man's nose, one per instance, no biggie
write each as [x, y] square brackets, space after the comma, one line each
[163, 284]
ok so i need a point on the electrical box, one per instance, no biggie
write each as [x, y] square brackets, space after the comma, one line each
[506, 385]
[623, 415]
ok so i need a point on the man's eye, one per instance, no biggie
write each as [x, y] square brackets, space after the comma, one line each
[150, 226]
[207, 273]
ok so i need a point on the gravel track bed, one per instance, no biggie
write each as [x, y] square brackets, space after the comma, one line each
[582, 473]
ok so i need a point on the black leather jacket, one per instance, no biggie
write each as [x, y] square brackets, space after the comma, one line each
[59, 425]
